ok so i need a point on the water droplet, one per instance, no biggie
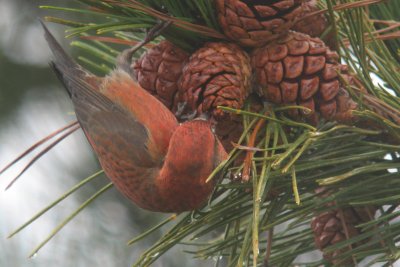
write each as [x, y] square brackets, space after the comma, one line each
[306, 111]
[155, 255]
[33, 256]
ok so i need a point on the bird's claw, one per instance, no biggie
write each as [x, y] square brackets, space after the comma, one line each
[180, 109]
[156, 30]
[124, 59]
[180, 112]
[189, 116]
[202, 116]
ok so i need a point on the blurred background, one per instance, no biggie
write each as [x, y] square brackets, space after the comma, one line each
[32, 105]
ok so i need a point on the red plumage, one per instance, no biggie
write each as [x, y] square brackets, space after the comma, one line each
[157, 163]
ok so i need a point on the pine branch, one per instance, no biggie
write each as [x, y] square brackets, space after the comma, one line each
[268, 218]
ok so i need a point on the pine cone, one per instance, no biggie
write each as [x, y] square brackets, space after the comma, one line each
[217, 74]
[301, 70]
[337, 225]
[328, 230]
[158, 71]
[254, 23]
[315, 25]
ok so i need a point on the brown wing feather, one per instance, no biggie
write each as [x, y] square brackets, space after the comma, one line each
[114, 134]
[102, 119]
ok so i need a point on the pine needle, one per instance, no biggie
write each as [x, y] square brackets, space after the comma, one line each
[36, 145]
[57, 201]
[68, 219]
[42, 153]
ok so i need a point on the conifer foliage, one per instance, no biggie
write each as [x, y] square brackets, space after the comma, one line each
[314, 135]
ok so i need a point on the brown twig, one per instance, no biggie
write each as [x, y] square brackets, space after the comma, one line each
[377, 36]
[113, 40]
[247, 148]
[250, 154]
[342, 7]
[269, 247]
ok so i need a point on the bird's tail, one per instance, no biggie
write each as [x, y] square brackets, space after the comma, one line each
[67, 70]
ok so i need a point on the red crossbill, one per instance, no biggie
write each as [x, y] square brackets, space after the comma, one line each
[153, 160]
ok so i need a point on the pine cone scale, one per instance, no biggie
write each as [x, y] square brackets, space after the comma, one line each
[265, 11]
[293, 66]
[158, 71]
[277, 52]
[274, 72]
[324, 239]
[308, 87]
[328, 109]
[297, 47]
[253, 23]
[314, 64]
[330, 72]
[289, 91]
[329, 90]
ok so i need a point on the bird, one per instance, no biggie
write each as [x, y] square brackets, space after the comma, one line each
[159, 164]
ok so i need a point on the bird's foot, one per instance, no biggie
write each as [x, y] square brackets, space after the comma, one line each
[124, 59]
[180, 112]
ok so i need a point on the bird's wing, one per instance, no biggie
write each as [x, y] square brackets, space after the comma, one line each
[109, 128]
[119, 139]
[106, 124]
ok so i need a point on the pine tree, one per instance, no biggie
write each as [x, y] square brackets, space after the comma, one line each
[315, 167]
